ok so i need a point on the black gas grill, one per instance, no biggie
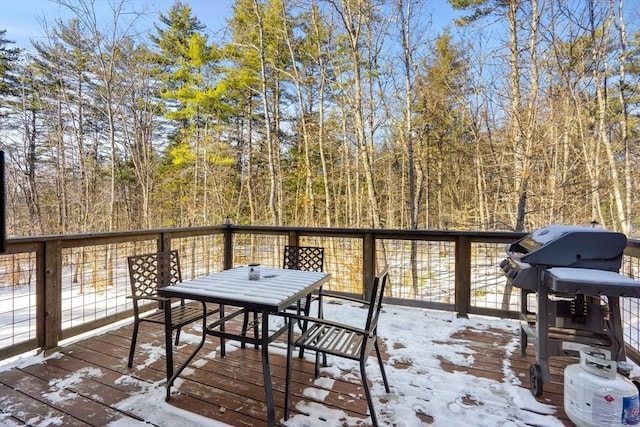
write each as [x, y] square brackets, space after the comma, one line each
[574, 272]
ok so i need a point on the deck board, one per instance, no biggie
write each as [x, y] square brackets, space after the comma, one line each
[228, 390]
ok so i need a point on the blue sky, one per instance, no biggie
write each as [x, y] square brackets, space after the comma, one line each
[22, 19]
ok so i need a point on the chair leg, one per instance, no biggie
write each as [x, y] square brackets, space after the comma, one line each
[384, 375]
[245, 326]
[303, 324]
[367, 392]
[317, 367]
[321, 316]
[177, 337]
[287, 387]
[134, 338]
[256, 329]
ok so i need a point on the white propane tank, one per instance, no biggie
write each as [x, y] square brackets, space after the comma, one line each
[595, 394]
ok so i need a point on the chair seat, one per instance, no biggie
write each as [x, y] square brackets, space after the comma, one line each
[180, 315]
[332, 340]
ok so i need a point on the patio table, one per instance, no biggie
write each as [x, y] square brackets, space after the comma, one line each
[276, 290]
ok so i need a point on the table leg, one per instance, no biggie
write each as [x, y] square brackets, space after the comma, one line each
[168, 340]
[266, 371]
[223, 349]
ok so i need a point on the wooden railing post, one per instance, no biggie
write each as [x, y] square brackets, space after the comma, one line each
[463, 276]
[294, 238]
[50, 258]
[369, 264]
[164, 243]
[227, 247]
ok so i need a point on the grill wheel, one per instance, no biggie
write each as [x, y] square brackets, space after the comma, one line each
[535, 379]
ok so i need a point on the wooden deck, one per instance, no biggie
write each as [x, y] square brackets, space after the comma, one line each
[94, 374]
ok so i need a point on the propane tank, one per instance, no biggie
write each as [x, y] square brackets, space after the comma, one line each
[596, 395]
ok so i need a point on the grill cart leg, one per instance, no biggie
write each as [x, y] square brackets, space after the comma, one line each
[543, 320]
[525, 326]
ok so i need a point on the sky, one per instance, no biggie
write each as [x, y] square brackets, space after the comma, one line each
[419, 336]
[22, 19]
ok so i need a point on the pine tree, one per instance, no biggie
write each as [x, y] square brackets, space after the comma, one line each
[8, 60]
[194, 94]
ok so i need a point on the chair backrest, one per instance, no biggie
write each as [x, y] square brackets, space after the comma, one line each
[308, 258]
[149, 272]
[377, 293]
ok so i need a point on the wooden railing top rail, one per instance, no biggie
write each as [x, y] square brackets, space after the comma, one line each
[265, 229]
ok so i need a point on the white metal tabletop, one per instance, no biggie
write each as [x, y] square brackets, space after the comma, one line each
[275, 290]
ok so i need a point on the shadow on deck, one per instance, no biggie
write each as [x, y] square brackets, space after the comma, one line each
[88, 383]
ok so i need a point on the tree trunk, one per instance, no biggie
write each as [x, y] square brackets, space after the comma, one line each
[601, 97]
[271, 157]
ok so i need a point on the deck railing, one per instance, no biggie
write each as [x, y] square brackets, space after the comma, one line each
[57, 287]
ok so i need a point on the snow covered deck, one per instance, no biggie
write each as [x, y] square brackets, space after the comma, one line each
[443, 371]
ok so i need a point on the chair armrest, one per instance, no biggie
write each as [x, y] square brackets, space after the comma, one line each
[344, 297]
[297, 317]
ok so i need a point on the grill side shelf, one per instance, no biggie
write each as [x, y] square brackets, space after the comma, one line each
[590, 282]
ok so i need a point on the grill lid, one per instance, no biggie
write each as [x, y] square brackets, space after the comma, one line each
[570, 246]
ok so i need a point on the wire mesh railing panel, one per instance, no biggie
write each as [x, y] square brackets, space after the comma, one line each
[489, 287]
[419, 270]
[343, 260]
[263, 249]
[199, 255]
[17, 298]
[630, 307]
[95, 280]
[94, 285]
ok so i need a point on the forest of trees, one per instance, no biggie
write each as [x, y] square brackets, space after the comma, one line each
[338, 113]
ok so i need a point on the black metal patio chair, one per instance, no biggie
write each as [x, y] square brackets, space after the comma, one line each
[148, 273]
[342, 340]
[306, 258]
